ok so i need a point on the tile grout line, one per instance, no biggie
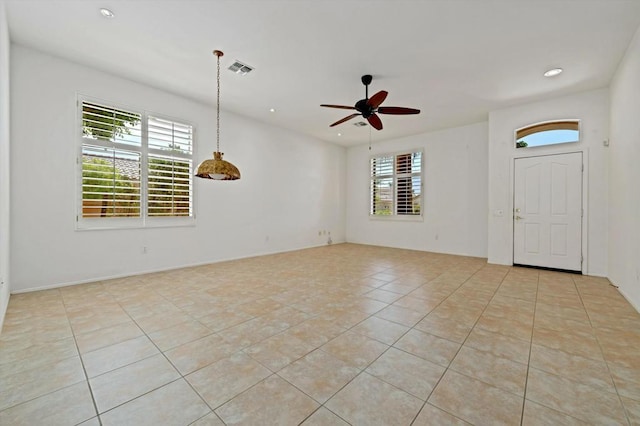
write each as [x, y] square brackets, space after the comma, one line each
[461, 344]
[84, 369]
[533, 326]
[564, 378]
[78, 354]
[99, 414]
[319, 348]
[369, 364]
[182, 377]
[272, 373]
[615, 386]
[240, 350]
[51, 362]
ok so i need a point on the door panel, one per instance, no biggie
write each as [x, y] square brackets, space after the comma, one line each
[548, 211]
[559, 234]
[559, 189]
[532, 190]
[532, 238]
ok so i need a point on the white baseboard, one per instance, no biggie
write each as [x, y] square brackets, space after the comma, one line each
[627, 298]
[173, 268]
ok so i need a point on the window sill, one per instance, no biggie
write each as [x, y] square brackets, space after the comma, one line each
[396, 218]
[99, 224]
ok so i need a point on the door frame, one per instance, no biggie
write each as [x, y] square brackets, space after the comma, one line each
[549, 151]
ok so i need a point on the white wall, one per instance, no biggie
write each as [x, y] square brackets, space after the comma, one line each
[4, 163]
[455, 194]
[592, 108]
[291, 186]
[624, 176]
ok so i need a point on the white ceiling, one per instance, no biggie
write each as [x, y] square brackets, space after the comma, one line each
[456, 60]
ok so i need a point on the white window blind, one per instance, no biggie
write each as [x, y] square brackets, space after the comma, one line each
[170, 168]
[110, 182]
[166, 135]
[111, 124]
[396, 185]
[134, 167]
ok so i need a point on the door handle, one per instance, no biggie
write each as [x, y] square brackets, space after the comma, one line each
[518, 217]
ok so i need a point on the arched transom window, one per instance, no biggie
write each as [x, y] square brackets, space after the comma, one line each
[548, 133]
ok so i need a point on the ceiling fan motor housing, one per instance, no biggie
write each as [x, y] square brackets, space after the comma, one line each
[363, 107]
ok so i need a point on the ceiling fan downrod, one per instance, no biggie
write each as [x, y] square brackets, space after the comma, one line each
[366, 80]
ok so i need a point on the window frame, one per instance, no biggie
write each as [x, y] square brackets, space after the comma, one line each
[394, 177]
[144, 220]
[571, 124]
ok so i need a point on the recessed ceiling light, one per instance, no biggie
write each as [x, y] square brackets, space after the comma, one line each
[339, 134]
[272, 110]
[106, 13]
[553, 72]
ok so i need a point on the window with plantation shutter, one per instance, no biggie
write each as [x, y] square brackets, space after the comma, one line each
[135, 168]
[396, 185]
[169, 168]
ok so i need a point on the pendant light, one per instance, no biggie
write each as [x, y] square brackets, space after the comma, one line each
[218, 169]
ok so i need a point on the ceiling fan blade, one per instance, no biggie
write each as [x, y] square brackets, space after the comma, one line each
[375, 121]
[375, 101]
[347, 118]
[398, 110]
[337, 106]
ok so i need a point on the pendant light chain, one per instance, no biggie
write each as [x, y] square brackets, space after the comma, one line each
[218, 108]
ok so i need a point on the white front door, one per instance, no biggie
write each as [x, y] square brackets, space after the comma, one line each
[547, 214]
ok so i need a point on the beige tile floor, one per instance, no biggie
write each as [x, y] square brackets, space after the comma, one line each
[337, 335]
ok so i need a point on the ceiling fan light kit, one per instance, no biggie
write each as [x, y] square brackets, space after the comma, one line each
[369, 108]
[217, 169]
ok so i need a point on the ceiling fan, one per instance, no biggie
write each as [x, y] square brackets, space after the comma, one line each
[368, 107]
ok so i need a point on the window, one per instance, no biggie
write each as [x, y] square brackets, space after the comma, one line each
[396, 185]
[548, 133]
[136, 168]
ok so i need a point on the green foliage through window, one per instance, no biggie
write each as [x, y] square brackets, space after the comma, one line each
[106, 192]
[107, 123]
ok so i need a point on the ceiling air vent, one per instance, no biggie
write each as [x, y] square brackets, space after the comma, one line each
[360, 124]
[240, 68]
